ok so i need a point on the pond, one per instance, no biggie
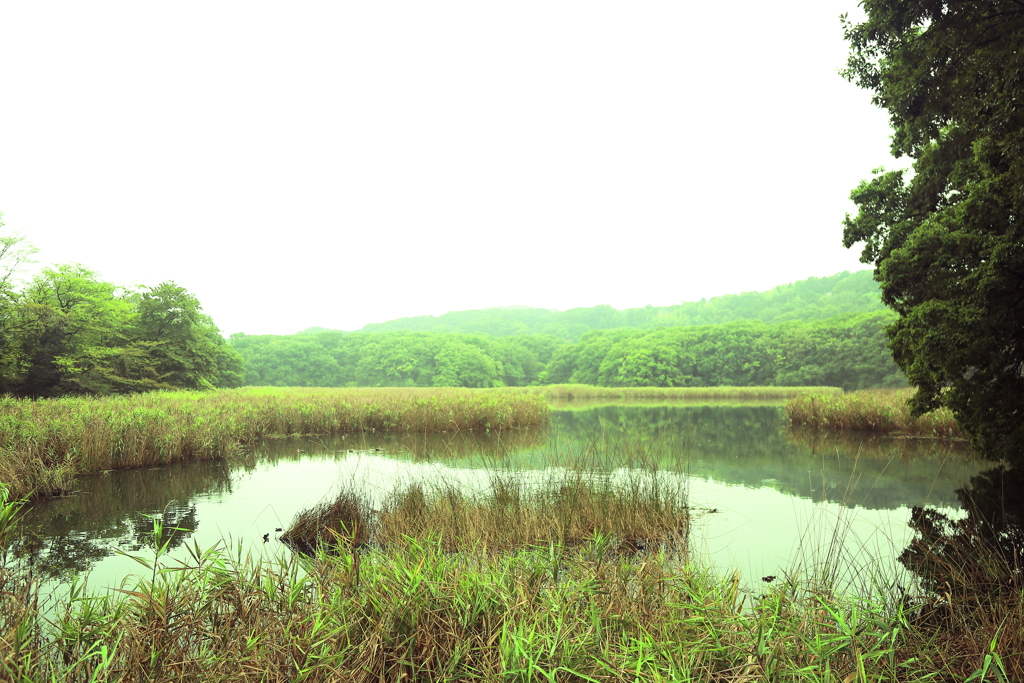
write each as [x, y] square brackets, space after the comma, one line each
[765, 501]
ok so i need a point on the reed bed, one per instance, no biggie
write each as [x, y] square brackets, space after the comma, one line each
[417, 611]
[422, 613]
[881, 411]
[644, 511]
[45, 444]
[735, 394]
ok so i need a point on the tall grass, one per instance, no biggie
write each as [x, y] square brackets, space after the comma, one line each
[44, 444]
[423, 613]
[882, 411]
[585, 391]
[423, 609]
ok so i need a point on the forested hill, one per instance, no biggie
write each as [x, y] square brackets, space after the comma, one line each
[819, 331]
[810, 299]
[847, 351]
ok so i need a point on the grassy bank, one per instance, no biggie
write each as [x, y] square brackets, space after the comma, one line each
[420, 610]
[882, 411]
[585, 391]
[45, 444]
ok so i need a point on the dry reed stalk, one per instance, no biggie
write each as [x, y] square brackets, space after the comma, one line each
[344, 521]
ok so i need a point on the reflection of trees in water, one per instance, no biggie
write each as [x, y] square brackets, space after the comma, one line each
[744, 445]
[177, 522]
[749, 446]
[66, 536]
[980, 553]
[417, 445]
[873, 445]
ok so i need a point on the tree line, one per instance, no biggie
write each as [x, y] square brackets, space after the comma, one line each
[847, 351]
[67, 331]
[393, 359]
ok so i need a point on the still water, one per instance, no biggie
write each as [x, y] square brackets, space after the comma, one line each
[765, 502]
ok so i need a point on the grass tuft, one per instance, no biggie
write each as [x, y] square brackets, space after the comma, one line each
[644, 512]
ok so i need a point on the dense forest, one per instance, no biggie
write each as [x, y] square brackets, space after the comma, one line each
[819, 331]
[393, 359]
[847, 351]
[67, 331]
[811, 299]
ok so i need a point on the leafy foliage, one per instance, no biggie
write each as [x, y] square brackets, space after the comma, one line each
[847, 351]
[672, 346]
[69, 332]
[394, 359]
[185, 344]
[947, 242]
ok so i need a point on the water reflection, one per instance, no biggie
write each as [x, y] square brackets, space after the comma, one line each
[748, 446]
[409, 445]
[766, 484]
[976, 553]
[116, 510]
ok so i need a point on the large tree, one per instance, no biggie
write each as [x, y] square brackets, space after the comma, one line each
[946, 240]
[70, 329]
[15, 252]
[185, 344]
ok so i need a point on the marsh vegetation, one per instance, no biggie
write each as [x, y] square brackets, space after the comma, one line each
[881, 411]
[582, 572]
[644, 512]
[457, 587]
[45, 444]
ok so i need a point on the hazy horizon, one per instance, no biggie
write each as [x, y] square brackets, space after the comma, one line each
[341, 164]
[558, 310]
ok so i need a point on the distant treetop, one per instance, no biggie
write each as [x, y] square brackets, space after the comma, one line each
[810, 299]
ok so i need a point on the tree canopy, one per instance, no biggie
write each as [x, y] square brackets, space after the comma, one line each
[68, 331]
[393, 359]
[946, 240]
[847, 351]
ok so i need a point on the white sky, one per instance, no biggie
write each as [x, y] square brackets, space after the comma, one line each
[340, 163]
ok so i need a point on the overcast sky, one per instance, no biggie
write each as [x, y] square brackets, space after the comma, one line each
[339, 163]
